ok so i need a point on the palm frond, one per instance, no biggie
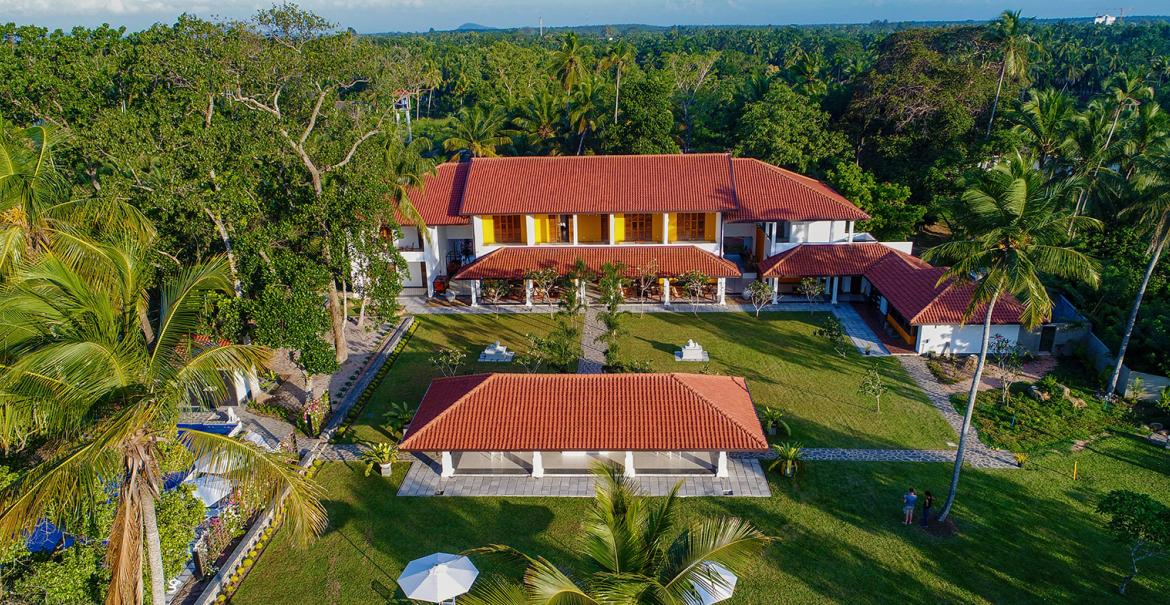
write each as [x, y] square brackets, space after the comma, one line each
[181, 303]
[731, 542]
[270, 476]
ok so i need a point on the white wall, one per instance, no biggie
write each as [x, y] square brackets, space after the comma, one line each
[812, 232]
[960, 340]
[412, 277]
[409, 239]
[739, 229]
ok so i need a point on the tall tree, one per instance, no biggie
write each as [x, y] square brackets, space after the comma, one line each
[569, 61]
[478, 131]
[619, 57]
[1015, 49]
[1045, 120]
[79, 373]
[1014, 233]
[1152, 209]
[691, 72]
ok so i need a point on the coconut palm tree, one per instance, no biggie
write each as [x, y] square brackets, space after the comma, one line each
[1014, 232]
[36, 211]
[620, 57]
[1045, 120]
[1152, 209]
[1015, 47]
[635, 552]
[478, 131]
[81, 378]
[583, 108]
[539, 123]
[569, 61]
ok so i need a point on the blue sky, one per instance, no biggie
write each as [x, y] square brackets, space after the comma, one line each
[420, 15]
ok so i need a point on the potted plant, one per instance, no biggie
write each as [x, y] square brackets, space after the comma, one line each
[788, 457]
[384, 455]
[1021, 459]
[773, 420]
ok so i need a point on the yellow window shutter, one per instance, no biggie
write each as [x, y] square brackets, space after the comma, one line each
[619, 227]
[709, 226]
[489, 229]
[672, 228]
[656, 227]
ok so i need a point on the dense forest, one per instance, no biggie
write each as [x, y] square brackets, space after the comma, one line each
[284, 142]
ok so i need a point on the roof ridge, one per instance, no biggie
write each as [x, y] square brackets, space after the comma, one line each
[711, 404]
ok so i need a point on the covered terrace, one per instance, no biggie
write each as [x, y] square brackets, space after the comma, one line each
[665, 262]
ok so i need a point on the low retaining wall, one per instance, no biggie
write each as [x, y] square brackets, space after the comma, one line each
[1103, 357]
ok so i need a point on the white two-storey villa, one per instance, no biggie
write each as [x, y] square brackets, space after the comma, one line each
[733, 219]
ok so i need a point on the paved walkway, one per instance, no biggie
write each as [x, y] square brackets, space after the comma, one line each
[592, 350]
[858, 330]
[746, 479]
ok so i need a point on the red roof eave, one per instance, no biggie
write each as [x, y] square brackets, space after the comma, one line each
[513, 262]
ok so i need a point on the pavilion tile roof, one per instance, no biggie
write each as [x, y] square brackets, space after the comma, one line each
[513, 262]
[600, 184]
[769, 193]
[438, 200]
[586, 412]
[826, 260]
[744, 189]
[909, 283]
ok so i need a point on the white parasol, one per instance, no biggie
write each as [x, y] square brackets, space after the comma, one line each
[716, 583]
[438, 577]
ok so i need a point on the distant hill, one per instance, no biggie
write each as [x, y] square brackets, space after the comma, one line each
[474, 27]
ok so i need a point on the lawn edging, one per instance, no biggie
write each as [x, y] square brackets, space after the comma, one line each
[355, 406]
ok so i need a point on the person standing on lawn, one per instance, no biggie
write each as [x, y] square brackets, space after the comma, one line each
[927, 502]
[908, 502]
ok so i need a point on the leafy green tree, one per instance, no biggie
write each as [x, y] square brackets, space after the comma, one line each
[1014, 232]
[761, 293]
[788, 129]
[873, 385]
[691, 73]
[646, 125]
[892, 217]
[103, 416]
[1141, 522]
[636, 550]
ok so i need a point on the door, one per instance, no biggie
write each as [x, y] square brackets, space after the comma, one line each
[1047, 338]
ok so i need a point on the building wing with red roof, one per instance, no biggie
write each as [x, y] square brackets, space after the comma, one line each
[513, 262]
[586, 412]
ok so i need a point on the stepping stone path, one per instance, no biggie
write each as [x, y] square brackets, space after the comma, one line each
[592, 350]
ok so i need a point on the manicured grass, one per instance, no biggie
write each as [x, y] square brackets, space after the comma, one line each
[1026, 536]
[787, 366]
[413, 370]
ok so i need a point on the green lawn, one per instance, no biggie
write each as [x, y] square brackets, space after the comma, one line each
[1026, 536]
[413, 371]
[787, 366]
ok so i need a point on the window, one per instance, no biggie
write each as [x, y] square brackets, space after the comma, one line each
[561, 228]
[692, 226]
[639, 227]
[508, 229]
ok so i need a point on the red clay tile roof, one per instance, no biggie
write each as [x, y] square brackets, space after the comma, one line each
[600, 184]
[825, 260]
[909, 283]
[913, 290]
[586, 412]
[768, 193]
[512, 262]
[744, 188]
[438, 200]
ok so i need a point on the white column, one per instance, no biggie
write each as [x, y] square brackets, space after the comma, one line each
[721, 466]
[851, 223]
[666, 291]
[253, 384]
[832, 231]
[477, 235]
[721, 290]
[581, 291]
[537, 465]
[719, 233]
[475, 293]
[528, 293]
[575, 238]
[529, 230]
[770, 232]
[836, 281]
[666, 227]
[448, 466]
[629, 465]
[775, 290]
[612, 239]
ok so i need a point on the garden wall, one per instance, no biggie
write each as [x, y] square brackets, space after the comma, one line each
[1103, 357]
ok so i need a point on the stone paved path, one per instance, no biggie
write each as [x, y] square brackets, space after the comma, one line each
[592, 350]
[859, 332]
